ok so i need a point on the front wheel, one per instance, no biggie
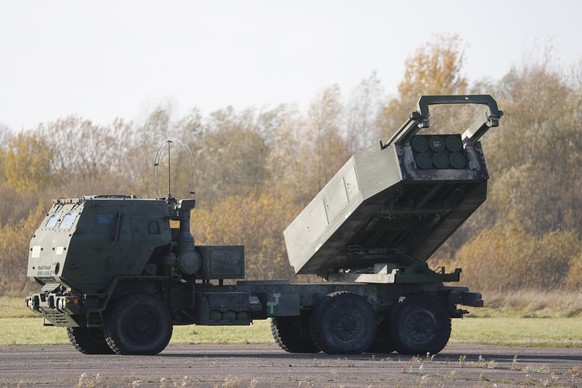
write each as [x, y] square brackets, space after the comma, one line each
[420, 324]
[88, 340]
[138, 324]
[343, 323]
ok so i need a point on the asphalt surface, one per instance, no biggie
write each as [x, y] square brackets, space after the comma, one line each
[268, 366]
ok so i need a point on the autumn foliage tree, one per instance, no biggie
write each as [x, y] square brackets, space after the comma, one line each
[255, 220]
[255, 169]
[27, 163]
[435, 68]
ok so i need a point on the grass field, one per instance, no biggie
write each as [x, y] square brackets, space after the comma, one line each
[502, 325]
[540, 332]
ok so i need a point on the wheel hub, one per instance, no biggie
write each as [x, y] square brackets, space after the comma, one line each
[142, 328]
[346, 324]
[421, 326]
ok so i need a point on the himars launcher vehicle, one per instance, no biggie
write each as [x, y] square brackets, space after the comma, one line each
[117, 274]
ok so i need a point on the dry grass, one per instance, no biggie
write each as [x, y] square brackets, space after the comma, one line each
[532, 304]
[14, 307]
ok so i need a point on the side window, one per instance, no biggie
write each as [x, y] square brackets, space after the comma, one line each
[110, 221]
[106, 218]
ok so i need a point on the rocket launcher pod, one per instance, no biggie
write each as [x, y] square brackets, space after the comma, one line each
[395, 203]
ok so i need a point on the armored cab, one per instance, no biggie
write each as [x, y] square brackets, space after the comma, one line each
[392, 205]
[84, 242]
[99, 246]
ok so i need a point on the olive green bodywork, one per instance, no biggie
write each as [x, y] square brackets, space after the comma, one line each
[119, 271]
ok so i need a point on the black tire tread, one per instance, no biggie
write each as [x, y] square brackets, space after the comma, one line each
[88, 340]
[289, 338]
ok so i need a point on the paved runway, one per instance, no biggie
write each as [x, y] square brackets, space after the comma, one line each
[268, 366]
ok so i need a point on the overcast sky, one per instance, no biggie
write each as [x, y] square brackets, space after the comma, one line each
[106, 59]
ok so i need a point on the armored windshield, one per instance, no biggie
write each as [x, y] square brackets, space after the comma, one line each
[68, 221]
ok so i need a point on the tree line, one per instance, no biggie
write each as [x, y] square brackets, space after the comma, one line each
[255, 169]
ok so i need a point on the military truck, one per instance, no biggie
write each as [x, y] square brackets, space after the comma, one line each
[118, 272]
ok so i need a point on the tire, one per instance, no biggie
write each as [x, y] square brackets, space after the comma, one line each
[420, 324]
[343, 323]
[383, 342]
[88, 340]
[138, 324]
[292, 334]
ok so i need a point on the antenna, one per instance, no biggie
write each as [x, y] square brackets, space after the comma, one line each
[168, 144]
[169, 168]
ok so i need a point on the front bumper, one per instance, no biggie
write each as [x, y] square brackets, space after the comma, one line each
[57, 309]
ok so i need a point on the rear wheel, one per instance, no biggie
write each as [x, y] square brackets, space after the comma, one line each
[292, 334]
[138, 324]
[420, 324]
[343, 323]
[88, 340]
